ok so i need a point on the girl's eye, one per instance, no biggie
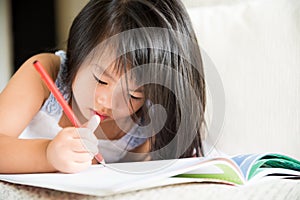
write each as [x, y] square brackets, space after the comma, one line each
[133, 97]
[99, 81]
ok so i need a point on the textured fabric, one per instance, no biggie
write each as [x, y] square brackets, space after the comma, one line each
[51, 106]
[267, 190]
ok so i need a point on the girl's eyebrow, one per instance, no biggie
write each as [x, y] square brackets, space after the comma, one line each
[109, 76]
[104, 72]
[140, 89]
[100, 71]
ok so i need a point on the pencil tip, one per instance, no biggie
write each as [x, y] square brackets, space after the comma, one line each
[103, 163]
[100, 159]
[35, 61]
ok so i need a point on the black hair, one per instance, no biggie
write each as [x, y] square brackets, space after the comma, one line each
[160, 37]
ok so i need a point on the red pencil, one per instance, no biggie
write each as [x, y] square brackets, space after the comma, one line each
[65, 106]
[52, 87]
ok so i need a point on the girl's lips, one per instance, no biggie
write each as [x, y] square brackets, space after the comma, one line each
[102, 117]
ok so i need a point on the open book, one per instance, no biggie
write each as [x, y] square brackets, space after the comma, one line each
[123, 177]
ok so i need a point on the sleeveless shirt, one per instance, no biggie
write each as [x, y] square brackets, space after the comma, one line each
[45, 122]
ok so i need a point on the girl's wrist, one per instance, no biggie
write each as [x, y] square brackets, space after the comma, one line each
[46, 153]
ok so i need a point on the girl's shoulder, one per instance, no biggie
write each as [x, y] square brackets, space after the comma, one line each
[50, 112]
[25, 93]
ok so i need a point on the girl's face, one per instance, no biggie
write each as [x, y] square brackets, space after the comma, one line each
[101, 90]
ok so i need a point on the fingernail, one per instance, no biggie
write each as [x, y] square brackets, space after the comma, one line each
[99, 158]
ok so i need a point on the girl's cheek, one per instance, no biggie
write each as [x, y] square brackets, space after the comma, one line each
[121, 106]
[84, 93]
[125, 109]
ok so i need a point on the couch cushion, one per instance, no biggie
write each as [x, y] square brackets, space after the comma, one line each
[255, 47]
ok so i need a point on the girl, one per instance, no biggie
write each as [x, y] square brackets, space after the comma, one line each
[133, 63]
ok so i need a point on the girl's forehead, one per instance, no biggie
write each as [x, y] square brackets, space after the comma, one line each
[101, 60]
[105, 61]
[114, 72]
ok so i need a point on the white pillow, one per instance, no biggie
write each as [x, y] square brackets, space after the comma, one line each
[255, 46]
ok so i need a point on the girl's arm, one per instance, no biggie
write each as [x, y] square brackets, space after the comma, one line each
[19, 102]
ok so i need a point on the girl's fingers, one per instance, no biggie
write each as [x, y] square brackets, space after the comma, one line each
[81, 157]
[93, 123]
[77, 146]
[88, 140]
[84, 146]
[86, 133]
[90, 146]
[78, 166]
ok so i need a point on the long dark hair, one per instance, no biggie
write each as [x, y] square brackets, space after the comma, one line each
[162, 40]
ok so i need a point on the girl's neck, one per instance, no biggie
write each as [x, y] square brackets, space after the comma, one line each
[112, 130]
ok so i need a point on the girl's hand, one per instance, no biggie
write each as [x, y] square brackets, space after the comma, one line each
[73, 149]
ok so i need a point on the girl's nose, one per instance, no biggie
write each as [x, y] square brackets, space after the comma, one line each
[103, 98]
